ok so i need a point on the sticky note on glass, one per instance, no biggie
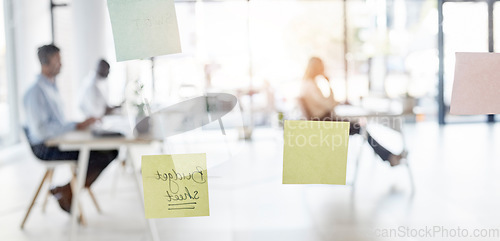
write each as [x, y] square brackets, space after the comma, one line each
[144, 28]
[476, 88]
[175, 185]
[315, 152]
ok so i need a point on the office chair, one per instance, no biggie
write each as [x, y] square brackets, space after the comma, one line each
[395, 124]
[50, 166]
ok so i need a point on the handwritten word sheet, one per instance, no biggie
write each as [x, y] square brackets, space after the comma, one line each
[315, 152]
[144, 28]
[175, 185]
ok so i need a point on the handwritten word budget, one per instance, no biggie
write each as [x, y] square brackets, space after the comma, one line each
[175, 185]
[315, 152]
[144, 28]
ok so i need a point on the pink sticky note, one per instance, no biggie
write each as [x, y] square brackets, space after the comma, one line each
[476, 89]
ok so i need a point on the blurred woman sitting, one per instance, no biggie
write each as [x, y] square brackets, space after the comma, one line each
[318, 103]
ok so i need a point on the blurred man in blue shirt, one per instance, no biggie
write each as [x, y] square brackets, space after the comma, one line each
[45, 119]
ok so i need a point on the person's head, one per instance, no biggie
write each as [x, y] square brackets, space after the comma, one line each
[314, 68]
[103, 68]
[50, 59]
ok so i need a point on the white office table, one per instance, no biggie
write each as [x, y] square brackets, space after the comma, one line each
[350, 111]
[84, 142]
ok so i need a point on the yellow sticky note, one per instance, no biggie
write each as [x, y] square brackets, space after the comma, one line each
[175, 185]
[144, 28]
[315, 152]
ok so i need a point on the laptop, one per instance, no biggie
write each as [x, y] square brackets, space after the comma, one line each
[105, 133]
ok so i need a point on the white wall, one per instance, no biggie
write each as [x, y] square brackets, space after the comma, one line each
[93, 40]
[83, 39]
[90, 19]
[32, 29]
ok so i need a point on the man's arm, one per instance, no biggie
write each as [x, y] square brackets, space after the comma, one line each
[42, 122]
[85, 124]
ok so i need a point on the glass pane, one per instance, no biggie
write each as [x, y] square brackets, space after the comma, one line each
[496, 26]
[243, 48]
[393, 50]
[496, 33]
[4, 105]
[281, 47]
[214, 41]
[465, 29]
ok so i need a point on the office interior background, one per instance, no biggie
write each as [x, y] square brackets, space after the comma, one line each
[397, 53]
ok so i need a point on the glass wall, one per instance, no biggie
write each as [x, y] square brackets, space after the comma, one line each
[393, 49]
[5, 112]
[258, 51]
[465, 27]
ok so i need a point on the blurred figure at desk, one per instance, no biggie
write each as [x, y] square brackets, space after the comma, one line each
[316, 92]
[93, 100]
[45, 119]
[318, 103]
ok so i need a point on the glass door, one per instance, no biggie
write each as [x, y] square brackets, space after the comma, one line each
[465, 29]
[9, 127]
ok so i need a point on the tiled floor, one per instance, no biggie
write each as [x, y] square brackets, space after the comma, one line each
[456, 170]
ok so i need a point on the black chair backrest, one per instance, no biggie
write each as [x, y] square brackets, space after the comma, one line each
[27, 134]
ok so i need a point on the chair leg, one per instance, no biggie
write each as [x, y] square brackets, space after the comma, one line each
[49, 180]
[118, 172]
[73, 188]
[82, 219]
[73, 171]
[94, 200]
[122, 159]
[34, 198]
[412, 181]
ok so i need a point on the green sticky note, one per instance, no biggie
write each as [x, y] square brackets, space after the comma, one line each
[315, 152]
[144, 28]
[175, 185]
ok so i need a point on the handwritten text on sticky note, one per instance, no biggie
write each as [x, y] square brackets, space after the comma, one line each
[144, 28]
[175, 185]
[315, 152]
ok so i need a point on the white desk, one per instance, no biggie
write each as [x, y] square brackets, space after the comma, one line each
[350, 111]
[84, 142]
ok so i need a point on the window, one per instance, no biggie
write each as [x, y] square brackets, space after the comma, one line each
[465, 27]
[262, 45]
[6, 133]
